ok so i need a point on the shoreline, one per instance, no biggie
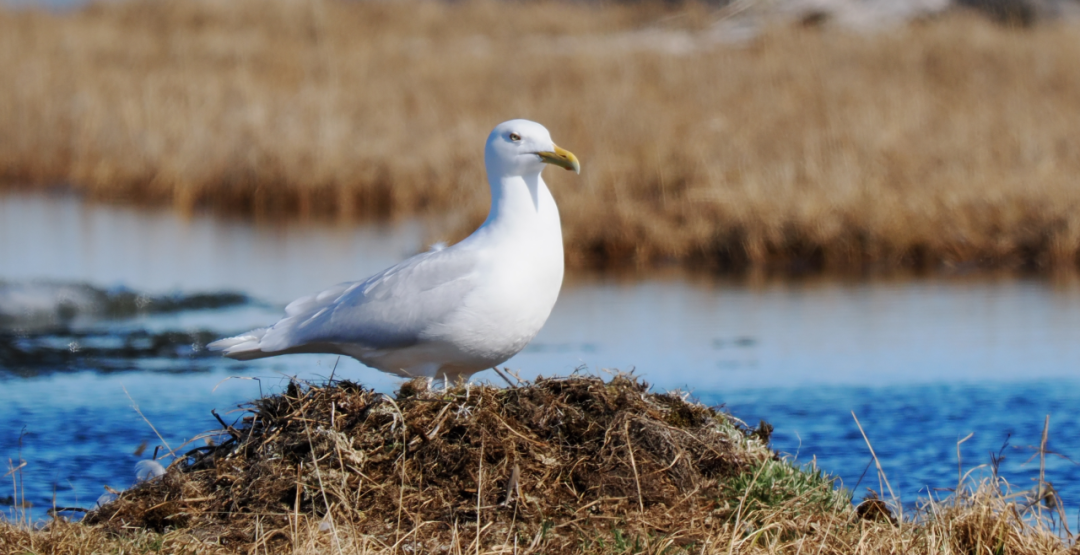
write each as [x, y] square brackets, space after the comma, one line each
[429, 229]
[938, 143]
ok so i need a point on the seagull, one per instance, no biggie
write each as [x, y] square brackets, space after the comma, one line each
[451, 311]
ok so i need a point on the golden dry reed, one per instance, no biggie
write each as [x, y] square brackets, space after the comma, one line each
[984, 522]
[949, 143]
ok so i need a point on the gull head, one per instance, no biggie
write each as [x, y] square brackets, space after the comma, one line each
[520, 147]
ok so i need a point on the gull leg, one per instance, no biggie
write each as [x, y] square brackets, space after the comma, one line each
[439, 377]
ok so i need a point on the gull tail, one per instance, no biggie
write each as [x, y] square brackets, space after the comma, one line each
[247, 346]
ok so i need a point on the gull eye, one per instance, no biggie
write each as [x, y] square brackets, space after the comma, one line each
[515, 137]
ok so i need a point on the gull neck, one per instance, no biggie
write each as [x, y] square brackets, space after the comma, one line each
[517, 197]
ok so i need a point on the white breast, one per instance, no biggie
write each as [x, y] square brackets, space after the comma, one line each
[523, 272]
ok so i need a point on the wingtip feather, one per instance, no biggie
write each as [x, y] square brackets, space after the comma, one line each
[242, 347]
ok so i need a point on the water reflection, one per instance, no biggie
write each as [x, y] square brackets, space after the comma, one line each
[60, 238]
[713, 338]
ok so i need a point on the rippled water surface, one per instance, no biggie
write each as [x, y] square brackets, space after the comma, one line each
[103, 309]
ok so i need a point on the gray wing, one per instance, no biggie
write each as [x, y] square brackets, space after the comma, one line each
[388, 310]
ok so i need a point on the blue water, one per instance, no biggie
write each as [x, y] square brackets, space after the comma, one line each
[921, 363]
[914, 430]
[81, 429]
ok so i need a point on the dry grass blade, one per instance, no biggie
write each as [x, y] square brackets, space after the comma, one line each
[877, 463]
[135, 407]
[633, 465]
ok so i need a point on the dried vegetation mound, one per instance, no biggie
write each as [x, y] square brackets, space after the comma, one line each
[574, 465]
[543, 461]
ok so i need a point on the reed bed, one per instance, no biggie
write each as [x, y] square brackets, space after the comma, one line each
[574, 465]
[947, 143]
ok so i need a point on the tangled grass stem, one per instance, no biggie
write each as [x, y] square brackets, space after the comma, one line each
[340, 468]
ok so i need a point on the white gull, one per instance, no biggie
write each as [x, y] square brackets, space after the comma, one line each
[449, 312]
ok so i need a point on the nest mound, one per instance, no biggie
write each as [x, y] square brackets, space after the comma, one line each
[441, 464]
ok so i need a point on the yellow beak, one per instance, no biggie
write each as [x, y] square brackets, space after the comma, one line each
[562, 158]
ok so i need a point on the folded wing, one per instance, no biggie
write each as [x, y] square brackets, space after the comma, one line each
[389, 310]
